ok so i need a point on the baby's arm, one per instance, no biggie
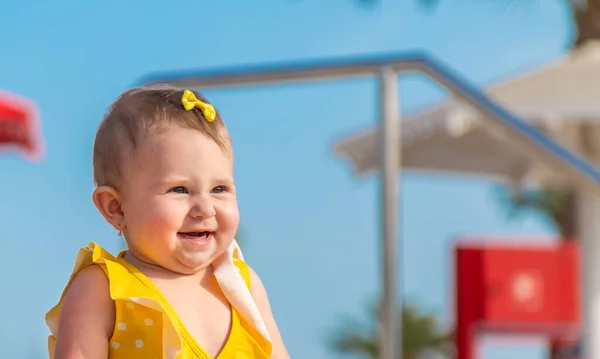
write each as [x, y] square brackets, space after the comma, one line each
[87, 317]
[261, 299]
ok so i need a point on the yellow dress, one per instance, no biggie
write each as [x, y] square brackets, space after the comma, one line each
[146, 326]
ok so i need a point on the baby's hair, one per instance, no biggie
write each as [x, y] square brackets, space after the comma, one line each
[138, 112]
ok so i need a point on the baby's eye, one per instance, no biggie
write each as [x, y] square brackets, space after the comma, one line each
[180, 190]
[219, 189]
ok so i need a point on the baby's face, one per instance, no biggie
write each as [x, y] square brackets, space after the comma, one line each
[179, 201]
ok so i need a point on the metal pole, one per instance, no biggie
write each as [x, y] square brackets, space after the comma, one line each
[588, 211]
[390, 335]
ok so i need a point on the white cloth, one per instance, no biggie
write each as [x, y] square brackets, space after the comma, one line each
[235, 290]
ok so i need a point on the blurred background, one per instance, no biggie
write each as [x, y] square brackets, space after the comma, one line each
[310, 226]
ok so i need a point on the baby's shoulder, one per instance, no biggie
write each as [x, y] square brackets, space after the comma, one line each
[90, 288]
[90, 281]
[87, 303]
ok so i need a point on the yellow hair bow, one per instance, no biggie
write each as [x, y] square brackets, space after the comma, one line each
[190, 101]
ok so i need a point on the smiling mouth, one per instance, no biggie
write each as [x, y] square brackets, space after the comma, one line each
[198, 236]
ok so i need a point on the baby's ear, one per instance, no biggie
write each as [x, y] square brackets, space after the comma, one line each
[108, 201]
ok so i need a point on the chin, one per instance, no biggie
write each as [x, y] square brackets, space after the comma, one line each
[195, 262]
[190, 266]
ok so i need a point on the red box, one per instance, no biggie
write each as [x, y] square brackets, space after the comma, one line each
[516, 289]
[19, 126]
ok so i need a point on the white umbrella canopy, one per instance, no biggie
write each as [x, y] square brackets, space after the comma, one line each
[562, 99]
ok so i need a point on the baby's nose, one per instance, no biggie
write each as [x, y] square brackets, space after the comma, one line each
[203, 208]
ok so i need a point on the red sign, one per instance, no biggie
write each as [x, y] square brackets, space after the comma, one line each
[516, 289]
[19, 126]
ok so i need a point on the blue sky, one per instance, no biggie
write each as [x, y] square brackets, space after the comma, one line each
[311, 227]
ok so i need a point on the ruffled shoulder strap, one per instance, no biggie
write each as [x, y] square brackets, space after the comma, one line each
[123, 283]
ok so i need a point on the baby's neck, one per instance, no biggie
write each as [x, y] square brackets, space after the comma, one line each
[154, 271]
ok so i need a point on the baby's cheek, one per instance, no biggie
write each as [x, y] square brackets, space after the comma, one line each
[229, 217]
[161, 218]
[229, 208]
